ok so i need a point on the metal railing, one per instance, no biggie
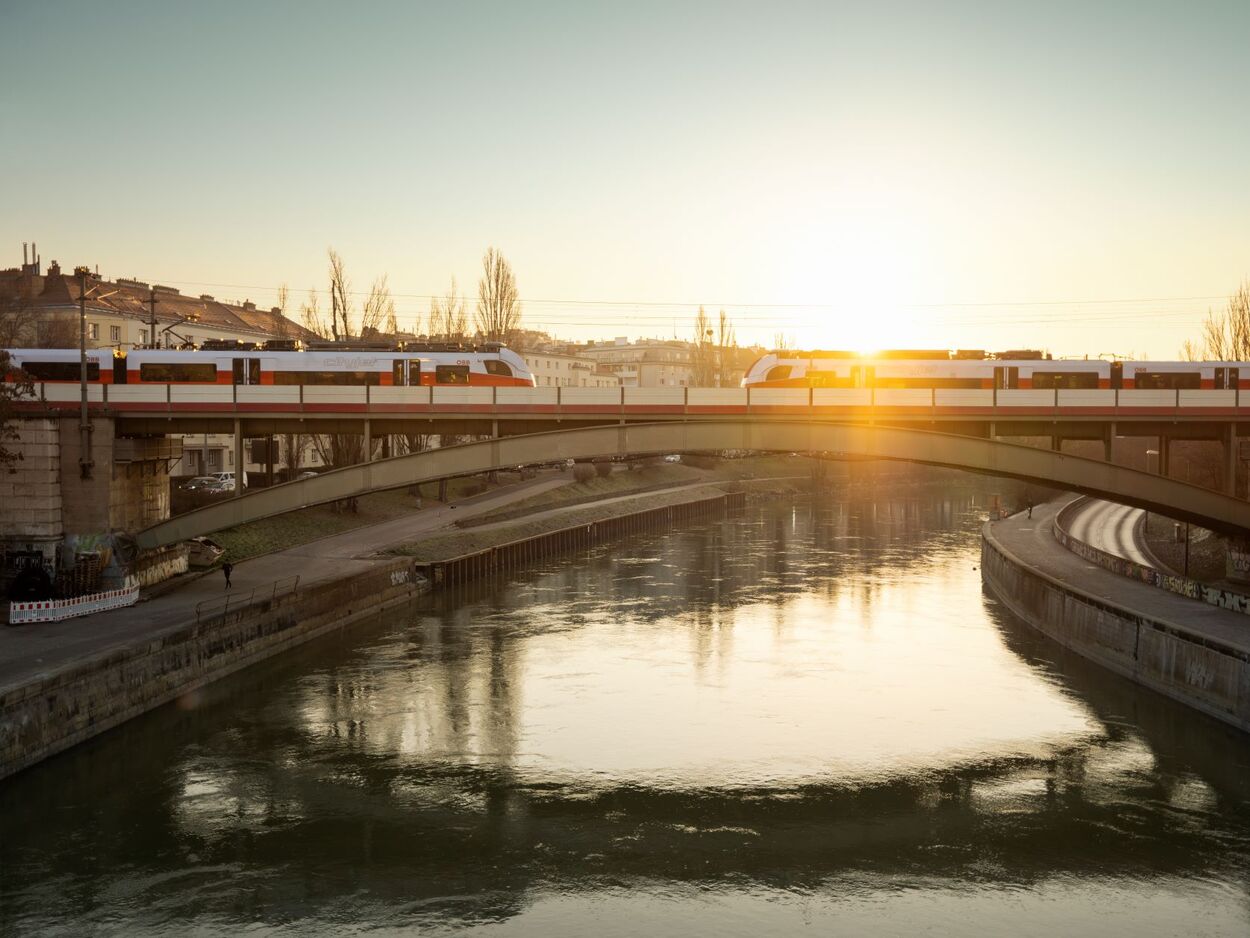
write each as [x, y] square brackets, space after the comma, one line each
[233, 601]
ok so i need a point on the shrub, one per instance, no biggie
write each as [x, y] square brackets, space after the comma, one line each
[604, 469]
[701, 461]
[583, 472]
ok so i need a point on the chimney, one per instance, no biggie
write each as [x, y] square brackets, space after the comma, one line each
[54, 269]
[249, 306]
[24, 261]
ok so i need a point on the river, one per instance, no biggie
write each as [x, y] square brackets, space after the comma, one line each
[805, 718]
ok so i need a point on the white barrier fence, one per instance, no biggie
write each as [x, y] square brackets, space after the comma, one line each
[54, 610]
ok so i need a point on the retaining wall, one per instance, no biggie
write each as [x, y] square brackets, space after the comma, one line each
[1203, 673]
[59, 710]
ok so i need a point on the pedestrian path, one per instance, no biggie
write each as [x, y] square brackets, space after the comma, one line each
[1032, 542]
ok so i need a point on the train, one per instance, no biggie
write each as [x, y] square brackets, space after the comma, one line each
[282, 362]
[926, 368]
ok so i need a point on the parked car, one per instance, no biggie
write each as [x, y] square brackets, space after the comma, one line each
[198, 483]
[217, 486]
[672, 457]
[229, 477]
[307, 474]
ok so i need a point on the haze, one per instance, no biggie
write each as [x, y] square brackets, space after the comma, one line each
[1066, 176]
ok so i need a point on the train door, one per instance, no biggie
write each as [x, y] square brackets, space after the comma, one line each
[1117, 375]
[1232, 380]
[863, 376]
[1226, 379]
[399, 372]
[1006, 378]
[120, 374]
[246, 370]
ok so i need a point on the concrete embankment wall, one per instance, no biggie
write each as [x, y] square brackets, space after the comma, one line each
[59, 710]
[1203, 673]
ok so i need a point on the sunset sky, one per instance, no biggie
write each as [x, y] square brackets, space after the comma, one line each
[1073, 176]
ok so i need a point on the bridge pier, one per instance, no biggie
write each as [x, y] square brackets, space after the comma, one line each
[368, 432]
[1230, 461]
[1108, 440]
[239, 463]
[1165, 454]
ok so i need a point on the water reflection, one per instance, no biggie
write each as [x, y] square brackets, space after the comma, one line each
[808, 711]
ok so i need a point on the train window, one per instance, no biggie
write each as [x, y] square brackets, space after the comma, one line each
[174, 372]
[1065, 379]
[61, 371]
[777, 373]
[1167, 380]
[928, 382]
[496, 367]
[339, 378]
[451, 374]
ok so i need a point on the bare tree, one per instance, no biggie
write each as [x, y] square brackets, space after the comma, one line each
[378, 312]
[726, 348]
[703, 352]
[447, 316]
[16, 387]
[340, 290]
[1226, 335]
[498, 305]
[314, 320]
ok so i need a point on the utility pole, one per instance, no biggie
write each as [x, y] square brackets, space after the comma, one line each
[151, 317]
[84, 426]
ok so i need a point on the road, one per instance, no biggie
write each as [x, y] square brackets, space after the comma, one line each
[1111, 527]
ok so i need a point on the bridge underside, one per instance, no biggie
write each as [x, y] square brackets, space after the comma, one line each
[1204, 507]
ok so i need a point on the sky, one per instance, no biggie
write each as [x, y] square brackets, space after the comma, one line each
[1066, 176]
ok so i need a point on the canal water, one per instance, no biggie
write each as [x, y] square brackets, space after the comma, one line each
[806, 718]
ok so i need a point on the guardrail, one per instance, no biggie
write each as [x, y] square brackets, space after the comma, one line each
[232, 601]
[497, 401]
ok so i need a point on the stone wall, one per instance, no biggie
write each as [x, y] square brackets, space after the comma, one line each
[1202, 673]
[30, 496]
[59, 710]
[86, 502]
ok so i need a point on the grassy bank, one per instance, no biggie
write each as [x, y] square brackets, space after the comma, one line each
[309, 524]
[446, 546]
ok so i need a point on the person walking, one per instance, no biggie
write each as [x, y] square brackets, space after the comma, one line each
[226, 568]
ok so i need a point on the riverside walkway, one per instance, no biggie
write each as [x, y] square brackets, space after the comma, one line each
[1032, 542]
[30, 650]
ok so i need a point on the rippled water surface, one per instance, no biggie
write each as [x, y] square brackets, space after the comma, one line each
[805, 718]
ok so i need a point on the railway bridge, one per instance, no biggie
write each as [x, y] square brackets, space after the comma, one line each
[958, 427]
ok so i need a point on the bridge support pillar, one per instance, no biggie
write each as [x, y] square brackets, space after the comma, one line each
[1165, 454]
[494, 428]
[1108, 440]
[368, 431]
[1230, 461]
[239, 472]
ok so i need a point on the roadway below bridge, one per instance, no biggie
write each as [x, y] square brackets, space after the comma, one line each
[1113, 528]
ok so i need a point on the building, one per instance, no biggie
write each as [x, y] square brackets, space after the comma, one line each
[562, 369]
[646, 363]
[42, 309]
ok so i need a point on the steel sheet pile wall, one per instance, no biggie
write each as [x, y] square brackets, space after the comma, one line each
[514, 554]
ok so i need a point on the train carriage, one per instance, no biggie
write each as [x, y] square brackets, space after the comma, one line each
[231, 364]
[1008, 371]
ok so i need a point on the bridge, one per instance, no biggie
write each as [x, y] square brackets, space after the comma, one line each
[1204, 507]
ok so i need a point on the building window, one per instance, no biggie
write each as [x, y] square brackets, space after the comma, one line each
[93, 330]
[143, 337]
[115, 333]
[214, 458]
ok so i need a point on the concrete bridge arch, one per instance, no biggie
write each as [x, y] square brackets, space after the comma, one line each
[1180, 500]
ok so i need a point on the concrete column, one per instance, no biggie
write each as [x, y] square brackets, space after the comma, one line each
[368, 441]
[1165, 454]
[1230, 461]
[1108, 441]
[238, 459]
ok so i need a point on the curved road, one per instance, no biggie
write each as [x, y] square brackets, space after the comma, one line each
[1110, 527]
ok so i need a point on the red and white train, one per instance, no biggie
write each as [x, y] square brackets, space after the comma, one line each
[434, 364]
[976, 369]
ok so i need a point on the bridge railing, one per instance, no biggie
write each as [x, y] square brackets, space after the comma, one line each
[381, 400]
